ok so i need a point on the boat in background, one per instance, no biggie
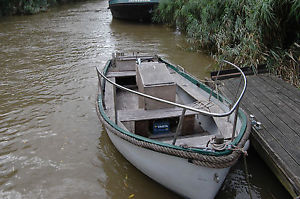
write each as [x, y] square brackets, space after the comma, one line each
[169, 125]
[137, 10]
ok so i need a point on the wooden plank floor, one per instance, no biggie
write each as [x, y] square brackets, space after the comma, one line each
[275, 104]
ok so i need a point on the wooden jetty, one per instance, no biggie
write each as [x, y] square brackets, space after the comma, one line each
[275, 104]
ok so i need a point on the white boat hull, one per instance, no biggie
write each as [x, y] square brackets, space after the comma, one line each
[162, 162]
[177, 174]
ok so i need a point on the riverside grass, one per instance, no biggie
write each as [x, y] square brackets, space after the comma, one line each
[246, 32]
[12, 7]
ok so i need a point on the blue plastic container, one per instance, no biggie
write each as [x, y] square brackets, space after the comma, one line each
[161, 127]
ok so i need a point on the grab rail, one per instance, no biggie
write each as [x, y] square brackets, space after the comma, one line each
[235, 105]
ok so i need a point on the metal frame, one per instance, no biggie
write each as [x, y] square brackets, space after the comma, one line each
[233, 107]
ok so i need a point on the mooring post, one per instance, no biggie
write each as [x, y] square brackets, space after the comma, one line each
[179, 126]
[235, 121]
[115, 102]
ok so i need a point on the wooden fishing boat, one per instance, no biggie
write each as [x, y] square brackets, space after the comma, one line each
[169, 125]
[138, 10]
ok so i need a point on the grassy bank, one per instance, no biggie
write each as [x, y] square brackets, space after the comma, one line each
[246, 32]
[13, 7]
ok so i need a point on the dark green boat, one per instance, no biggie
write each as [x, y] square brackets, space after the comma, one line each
[137, 10]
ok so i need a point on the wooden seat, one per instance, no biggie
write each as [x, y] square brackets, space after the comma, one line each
[122, 73]
[141, 114]
[139, 121]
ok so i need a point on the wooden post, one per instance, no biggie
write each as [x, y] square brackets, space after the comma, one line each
[179, 126]
[234, 122]
[115, 103]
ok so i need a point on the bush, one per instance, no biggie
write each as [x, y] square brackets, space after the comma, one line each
[246, 32]
[11, 7]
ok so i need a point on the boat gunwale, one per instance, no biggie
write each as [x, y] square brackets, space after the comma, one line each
[242, 116]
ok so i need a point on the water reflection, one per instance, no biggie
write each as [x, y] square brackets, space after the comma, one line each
[123, 179]
[262, 183]
[159, 39]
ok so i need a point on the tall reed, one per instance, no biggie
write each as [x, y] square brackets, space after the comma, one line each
[246, 32]
[11, 7]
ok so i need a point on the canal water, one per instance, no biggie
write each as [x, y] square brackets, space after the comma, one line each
[52, 144]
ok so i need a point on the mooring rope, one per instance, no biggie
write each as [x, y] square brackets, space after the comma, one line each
[193, 157]
[247, 175]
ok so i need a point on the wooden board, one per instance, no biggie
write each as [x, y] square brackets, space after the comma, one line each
[224, 126]
[191, 88]
[154, 79]
[121, 74]
[108, 98]
[141, 114]
[276, 105]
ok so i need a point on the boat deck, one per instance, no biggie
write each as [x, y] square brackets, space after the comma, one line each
[131, 115]
[140, 116]
[275, 104]
[128, 112]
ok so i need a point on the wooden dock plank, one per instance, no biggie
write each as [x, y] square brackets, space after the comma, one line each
[286, 89]
[279, 98]
[121, 73]
[270, 132]
[270, 119]
[271, 123]
[276, 105]
[277, 116]
[277, 165]
[287, 115]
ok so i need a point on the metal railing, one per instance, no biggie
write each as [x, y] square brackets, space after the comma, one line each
[234, 106]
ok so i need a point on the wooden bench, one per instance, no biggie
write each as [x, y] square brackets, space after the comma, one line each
[122, 73]
[141, 114]
[139, 120]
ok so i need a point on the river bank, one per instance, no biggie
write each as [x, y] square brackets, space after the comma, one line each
[248, 33]
[26, 7]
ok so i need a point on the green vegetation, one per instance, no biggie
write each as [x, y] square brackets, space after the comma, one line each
[246, 32]
[11, 7]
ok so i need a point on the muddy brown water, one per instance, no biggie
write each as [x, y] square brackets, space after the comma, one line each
[51, 142]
